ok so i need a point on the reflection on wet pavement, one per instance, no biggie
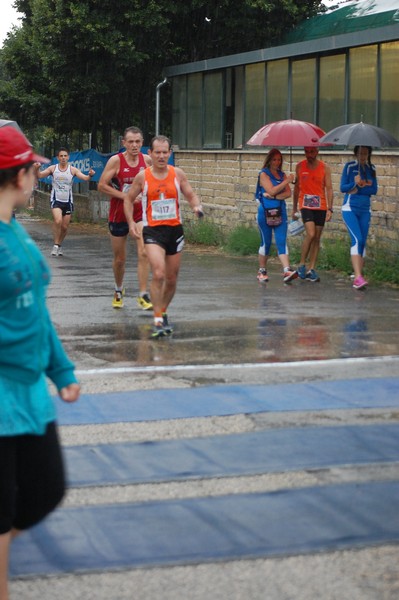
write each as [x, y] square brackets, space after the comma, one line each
[250, 341]
[220, 312]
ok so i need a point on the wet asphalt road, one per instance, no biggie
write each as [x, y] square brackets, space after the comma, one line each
[221, 314]
[228, 329]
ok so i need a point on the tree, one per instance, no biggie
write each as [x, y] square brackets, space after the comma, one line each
[208, 30]
[92, 65]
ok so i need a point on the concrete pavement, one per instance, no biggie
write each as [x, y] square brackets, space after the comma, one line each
[229, 329]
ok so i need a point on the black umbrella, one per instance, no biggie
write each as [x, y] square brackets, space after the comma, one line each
[360, 134]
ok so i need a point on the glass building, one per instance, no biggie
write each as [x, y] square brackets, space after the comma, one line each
[339, 67]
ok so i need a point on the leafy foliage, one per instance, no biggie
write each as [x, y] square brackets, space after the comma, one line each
[92, 65]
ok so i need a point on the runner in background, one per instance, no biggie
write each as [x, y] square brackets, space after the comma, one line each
[61, 198]
[115, 181]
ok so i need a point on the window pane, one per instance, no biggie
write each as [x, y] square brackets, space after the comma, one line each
[179, 112]
[362, 86]
[277, 90]
[303, 89]
[254, 98]
[213, 115]
[389, 106]
[332, 92]
[194, 111]
[238, 111]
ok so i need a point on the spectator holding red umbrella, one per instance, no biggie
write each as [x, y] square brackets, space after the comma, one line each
[358, 183]
[273, 190]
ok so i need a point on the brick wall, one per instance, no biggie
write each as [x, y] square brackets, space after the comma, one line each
[225, 182]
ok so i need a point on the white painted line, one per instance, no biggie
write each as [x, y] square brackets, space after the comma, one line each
[218, 367]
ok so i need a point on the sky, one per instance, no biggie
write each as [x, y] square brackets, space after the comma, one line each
[9, 17]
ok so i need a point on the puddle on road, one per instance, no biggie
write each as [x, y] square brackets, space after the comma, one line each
[234, 341]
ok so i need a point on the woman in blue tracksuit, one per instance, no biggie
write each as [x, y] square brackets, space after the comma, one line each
[31, 468]
[358, 183]
[272, 191]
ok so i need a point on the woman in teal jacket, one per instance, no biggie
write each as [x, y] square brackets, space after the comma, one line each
[31, 469]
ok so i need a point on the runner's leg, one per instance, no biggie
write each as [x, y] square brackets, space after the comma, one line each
[57, 225]
[143, 265]
[157, 259]
[119, 261]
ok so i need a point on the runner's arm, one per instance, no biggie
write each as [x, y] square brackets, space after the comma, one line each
[78, 173]
[329, 192]
[296, 193]
[111, 170]
[128, 200]
[45, 173]
[189, 193]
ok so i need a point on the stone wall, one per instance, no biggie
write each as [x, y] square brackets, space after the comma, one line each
[226, 180]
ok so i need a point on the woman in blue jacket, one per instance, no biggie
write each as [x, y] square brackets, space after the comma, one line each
[358, 183]
[31, 468]
[272, 191]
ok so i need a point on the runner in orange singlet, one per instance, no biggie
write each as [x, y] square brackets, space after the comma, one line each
[161, 186]
[314, 194]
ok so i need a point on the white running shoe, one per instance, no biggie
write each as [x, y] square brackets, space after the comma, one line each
[55, 251]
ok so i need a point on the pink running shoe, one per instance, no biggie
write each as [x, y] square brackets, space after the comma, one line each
[359, 282]
[262, 276]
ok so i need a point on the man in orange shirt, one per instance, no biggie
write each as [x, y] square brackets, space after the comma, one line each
[161, 186]
[314, 194]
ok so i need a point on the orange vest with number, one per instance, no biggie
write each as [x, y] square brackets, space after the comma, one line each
[161, 199]
[312, 186]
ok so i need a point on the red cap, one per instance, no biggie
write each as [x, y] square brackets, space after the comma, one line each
[15, 149]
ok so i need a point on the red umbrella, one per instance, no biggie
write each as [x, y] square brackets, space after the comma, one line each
[288, 133]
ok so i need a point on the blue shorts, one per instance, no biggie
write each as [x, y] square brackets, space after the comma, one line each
[66, 207]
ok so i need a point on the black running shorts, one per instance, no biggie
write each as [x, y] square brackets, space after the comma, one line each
[170, 238]
[120, 229]
[317, 216]
[32, 480]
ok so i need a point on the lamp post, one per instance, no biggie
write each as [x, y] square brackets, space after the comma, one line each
[157, 95]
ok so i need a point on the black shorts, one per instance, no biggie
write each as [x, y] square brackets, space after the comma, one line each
[317, 216]
[66, 207]
[32, 480]
[120, 229]
[170, 238]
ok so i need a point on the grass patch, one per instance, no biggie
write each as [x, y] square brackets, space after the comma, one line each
[382, 265]
[334, 255]
[204, 232]
[242, 241]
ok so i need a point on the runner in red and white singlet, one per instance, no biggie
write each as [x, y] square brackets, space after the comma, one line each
[116, 179]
